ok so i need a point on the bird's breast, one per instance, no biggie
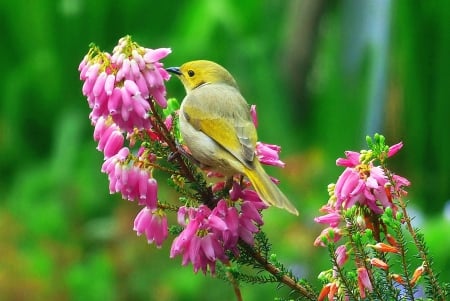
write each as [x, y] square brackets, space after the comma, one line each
[205, 150]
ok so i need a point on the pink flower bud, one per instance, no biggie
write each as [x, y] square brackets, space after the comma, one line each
[143, 179]
[394, 149]
[123, 153]
[126, 99]
[351, 160]
[152, 223]
[341, 255]
[253, 115]
[135, 69]
[105, 134]
[268, 154]
[333, 219]
[142, 86]
[87, 88]
[126, 66]
[99, 85]
[85, 67]
[115, 101]
[83, 62]
[168, 122]
[100, 127]
[364, 282]
[114, 144]
[151, 200]
[159, 94]
[152, 56]
[131, 87]
[139, 59]
[109, 84]
[140, 106]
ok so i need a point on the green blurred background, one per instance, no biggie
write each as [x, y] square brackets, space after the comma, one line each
[323, 74]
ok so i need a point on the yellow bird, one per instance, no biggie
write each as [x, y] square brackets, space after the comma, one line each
[216, 126]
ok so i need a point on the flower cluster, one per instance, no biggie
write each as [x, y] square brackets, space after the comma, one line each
[119, 88]
[364, 184]
[209, 234]
[135, 127]
[120, 85]
[364, 210]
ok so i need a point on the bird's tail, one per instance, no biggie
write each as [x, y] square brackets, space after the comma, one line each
[267, 190]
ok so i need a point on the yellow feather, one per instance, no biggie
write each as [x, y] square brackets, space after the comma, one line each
[216, 125]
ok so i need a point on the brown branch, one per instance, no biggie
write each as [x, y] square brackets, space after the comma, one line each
[278, 274]
[235, 283]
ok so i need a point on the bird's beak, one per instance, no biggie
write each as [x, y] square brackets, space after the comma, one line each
[174, 70]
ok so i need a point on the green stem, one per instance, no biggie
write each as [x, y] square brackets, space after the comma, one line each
[389, 280]
[402, 249]
[361, 256]
[234, 283]
[347, 285]
[433, 280]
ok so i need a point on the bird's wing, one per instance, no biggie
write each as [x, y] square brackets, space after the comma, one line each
[222, 113]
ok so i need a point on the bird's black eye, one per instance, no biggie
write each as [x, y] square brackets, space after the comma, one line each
[191, 73]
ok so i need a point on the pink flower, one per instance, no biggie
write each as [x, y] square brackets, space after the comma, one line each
[254, 115]
[328, 234]
[351, 160]
[224, 221]
[132, 182]
[168, 122]
[348, 188]
[394, 149]
[249, 218]
[199, 242]
[249, 221]
[333, 219]
[269, 154]
[363, 282]
[341, 255]
[152, 223]
[120, 85]
[109, 136]
[399, 183]
[364, 184]
[208, 234]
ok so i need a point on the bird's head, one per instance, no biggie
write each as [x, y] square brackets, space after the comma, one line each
[196, 73]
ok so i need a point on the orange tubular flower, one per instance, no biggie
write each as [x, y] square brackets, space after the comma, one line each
[324, 292]
[416, 276]
[376, 262]
[382, 247]
[397, 278]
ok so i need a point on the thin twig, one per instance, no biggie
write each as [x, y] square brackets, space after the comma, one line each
[342, 277]
[422, 254]
[360, 254]
[276, 272]
[402, 249]
[235, 283]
